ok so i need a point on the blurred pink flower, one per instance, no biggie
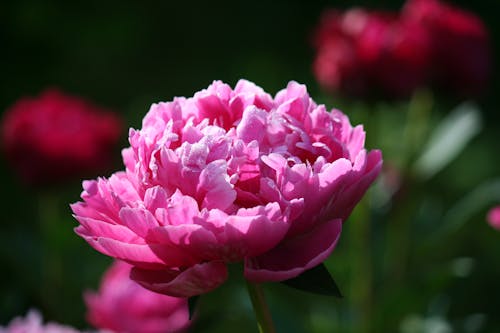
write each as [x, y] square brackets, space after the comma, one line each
[225, 176]
[55, 136]
[33, 323]
[121, 305]
[493, 217]
[363, 53]
[460, 44]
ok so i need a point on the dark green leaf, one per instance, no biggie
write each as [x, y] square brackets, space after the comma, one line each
[316, 280]
[192, 301]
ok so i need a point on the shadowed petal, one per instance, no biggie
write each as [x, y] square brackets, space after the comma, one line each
[254, 231]
[296, 255]
[188, 240]
[196, 280]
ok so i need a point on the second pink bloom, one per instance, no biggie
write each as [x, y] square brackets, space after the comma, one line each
[121, 305]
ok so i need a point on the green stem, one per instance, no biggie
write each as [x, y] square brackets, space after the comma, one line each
[264, 320]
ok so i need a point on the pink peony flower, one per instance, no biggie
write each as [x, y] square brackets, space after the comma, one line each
[54, 136]
[123, 306]
[461, 48]
[361, 52]
[33, 323]
[229, 175]
[493, 217]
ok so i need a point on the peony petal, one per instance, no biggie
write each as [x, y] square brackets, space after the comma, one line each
[196, 280]
[323, 187]
[84, 210]
[138, 220]
[353, 193]
[356, 142]
[214, 184]
[137, 254]
[332, 173]
[98, 228]
[99, 201]
[181, 209]
[252, 125]
[190, 242]
[253, 231]
[154, 198]
[211, 107]
[294, 256]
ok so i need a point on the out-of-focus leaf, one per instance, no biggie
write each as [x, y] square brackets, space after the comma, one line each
[449, 138]
[316, 280]
[479, 199]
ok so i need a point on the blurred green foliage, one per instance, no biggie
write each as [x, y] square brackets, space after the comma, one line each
[396, 275]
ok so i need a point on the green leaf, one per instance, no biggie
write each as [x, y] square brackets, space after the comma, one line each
[482, 197]
[449, 138]
[316, 280]
[192, 301]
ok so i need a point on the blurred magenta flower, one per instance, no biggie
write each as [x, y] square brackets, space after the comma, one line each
[225, 176]
[121, 305]
[371, 53]
[338, 66]
[365, 53]
[55, 136]
[33, 323]
[461, 48]
[493, 217]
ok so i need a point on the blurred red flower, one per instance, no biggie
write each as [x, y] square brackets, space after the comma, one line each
[460, 45]
[337, 66]
[366, 53]
[54, 137]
